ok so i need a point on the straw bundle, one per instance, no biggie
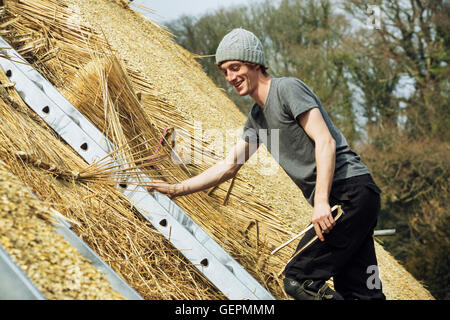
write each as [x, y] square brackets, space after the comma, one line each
[173, 92]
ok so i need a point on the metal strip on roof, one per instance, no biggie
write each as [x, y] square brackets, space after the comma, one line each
[116, 282]
[14, 283]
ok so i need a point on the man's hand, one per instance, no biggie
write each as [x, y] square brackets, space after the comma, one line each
[322, 219]
[213, 176]
[171, 190]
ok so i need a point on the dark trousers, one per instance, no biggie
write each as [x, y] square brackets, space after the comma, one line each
[348, 252]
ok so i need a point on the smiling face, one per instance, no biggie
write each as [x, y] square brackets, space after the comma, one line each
[241, 76]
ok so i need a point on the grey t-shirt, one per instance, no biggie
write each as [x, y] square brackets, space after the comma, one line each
[290, 145]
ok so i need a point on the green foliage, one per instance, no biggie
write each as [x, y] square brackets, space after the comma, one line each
[414, 42]
[430, 245]
[409, 159]
[415, 179]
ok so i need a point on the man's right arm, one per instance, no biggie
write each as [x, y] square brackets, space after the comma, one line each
[215, 175]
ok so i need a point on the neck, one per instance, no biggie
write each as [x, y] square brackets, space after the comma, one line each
[259, 95]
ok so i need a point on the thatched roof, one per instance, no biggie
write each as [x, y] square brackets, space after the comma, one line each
[28, 235]
[164, 88]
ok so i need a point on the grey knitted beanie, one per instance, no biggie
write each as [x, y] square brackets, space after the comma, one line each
[242, 45]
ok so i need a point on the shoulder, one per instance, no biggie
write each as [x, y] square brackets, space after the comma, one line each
[288, 84]
[293, 88]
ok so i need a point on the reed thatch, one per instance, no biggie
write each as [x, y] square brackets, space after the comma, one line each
[138, 90]
[28, 235]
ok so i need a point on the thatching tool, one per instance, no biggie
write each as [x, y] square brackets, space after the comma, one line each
[225, 201]
[339, 214]
[163, 135]
[299, 234]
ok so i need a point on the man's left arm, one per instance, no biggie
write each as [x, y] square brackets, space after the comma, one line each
[325, 153]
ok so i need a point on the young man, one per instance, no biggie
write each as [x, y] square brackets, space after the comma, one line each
[316, 156]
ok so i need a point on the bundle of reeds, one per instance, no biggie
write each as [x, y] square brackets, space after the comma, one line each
[49, 33]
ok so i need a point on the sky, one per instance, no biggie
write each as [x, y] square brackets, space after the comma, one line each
[167, 10]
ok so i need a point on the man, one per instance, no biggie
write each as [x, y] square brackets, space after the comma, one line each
[315, 154]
